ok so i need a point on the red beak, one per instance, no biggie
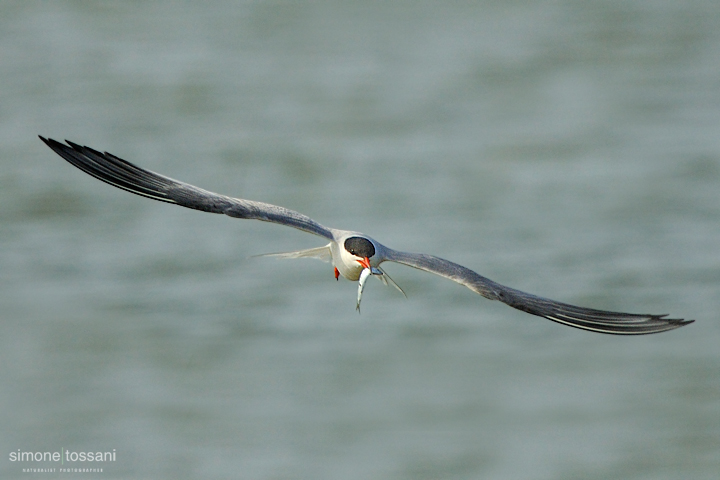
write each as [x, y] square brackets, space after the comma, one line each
[365, 262]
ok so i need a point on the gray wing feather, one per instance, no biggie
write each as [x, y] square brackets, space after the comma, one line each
[585, 318]
[122, 174]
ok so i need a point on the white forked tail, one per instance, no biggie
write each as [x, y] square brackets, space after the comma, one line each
[380, 274]
[385, 278]
[321, 253]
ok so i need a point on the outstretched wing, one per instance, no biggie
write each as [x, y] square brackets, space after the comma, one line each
[585, 318]
[122, 174]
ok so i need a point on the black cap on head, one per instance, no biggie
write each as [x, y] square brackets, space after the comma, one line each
[360, 247]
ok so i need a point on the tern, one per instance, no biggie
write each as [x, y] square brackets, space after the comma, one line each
[354, 255]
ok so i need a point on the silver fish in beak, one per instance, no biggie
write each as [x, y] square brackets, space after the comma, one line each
[364, 275]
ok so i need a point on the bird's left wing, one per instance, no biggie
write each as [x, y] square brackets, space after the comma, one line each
[122, 174]
[579, 317]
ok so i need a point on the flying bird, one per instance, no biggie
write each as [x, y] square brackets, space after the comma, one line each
[354, 255]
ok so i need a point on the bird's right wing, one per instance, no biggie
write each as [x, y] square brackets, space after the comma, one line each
[579, 317]
[122, 174]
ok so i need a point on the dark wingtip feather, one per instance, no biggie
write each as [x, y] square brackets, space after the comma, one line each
[113, 170]
[615, 323]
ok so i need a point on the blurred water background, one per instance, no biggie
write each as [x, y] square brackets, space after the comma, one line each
[569, 149]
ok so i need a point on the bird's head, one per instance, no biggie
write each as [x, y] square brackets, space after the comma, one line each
[361, 248]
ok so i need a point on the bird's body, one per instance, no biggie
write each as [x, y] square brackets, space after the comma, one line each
[351, 253]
